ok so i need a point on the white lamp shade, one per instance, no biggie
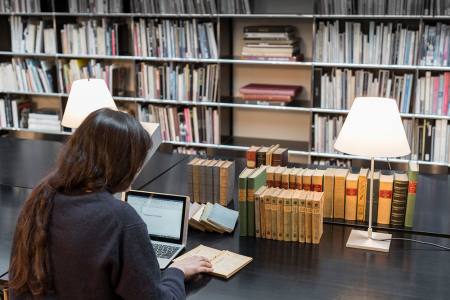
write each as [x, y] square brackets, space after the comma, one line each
[86, 96]
[373, 128]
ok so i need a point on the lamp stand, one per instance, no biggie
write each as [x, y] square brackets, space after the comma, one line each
[368, 240]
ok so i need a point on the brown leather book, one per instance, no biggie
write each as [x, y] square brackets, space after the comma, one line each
[270, 89]
[258, 97]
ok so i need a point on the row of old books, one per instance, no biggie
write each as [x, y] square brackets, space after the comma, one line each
[271, 43]
[381, 43]
[434, 45]
[95, 6]
[32, 36]
[338, 88]
[183, 124]
[432, 94]
[174, 38]
[27, 75]
[384, 7]
[92, 37]
[212, 217]
[346, 192]
[116, 76]
[23, 6]
[211, 181]
[431, 140]
[270, 156]
[188, 82]
[280, 94]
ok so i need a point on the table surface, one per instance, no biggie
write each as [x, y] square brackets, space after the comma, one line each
[279, 269]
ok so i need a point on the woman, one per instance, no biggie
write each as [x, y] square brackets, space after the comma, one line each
[74, 240]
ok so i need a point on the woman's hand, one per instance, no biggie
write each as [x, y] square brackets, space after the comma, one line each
[193, 265]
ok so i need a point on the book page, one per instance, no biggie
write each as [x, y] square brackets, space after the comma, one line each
[228, 263]
[209, 253]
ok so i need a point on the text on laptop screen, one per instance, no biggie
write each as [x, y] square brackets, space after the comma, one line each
[163, 217]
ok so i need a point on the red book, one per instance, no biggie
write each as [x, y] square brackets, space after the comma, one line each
[113, 42]
[187, 120]
[446, 87]
[270, 89]
[251, 157]
[278, 98]
[435, 93]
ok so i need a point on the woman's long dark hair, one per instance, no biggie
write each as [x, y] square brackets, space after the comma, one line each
[104, 154]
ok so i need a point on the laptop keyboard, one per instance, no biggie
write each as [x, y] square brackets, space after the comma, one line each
[164, 251]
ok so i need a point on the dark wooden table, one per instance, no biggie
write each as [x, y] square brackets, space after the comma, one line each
[283, 270]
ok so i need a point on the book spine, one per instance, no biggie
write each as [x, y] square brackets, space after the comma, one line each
[280, 218]
[362, 195]
[274, 212]
[268, 217]
[328, 196]
[339, 198]
[251, 159]
[411, 200]
[243, 206]
[294, 219]
[287, 219]
[262, 214]
[316, 221]
[317, 183]
[308, 219]
[251, 208]
[351, 195]
[384, 203]
[257, 211]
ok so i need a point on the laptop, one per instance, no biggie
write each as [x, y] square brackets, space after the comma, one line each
[166, 217]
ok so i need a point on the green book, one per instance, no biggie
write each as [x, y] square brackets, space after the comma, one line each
[256, 180]
[413, 172]
[243, 200]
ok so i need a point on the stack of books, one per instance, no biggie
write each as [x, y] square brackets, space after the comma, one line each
[32, 36]
[270, 156]
[178, 82]
[92, 37]
[434, 47]
[44, 119]
[271, 43]
[211, 181]
[174, 38]
[27, 75]
[389, 44]
[432, 94]
[95, 6]
[270, 93]
[20, 6]
[338, 88]
[14, 113]
[178, 124]
[116, 76]
[212, 217]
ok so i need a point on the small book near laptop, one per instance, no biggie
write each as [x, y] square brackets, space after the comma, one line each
[225, 263]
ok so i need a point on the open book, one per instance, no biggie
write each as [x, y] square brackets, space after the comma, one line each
[225, 263]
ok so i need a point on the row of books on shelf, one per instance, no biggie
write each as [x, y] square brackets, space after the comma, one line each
[18, 113]
[271, 43]
[187, 82]
[29, 6]
[95, 6]
[174, 38]
[346, 193]
[211, 181]
[273, 155]
[192, 125]
[384, 7]
[432, 94]
[280, 214]
[212, 217]
[382, 43]
[32, 36]
[338, 88]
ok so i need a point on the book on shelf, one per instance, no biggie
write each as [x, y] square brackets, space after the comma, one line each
[385, 197]
[224, 263]
[95, 6]
[379, 7]
[27, 75]
[399, 198]
[317, 180]
[338, 88]
[326, 129]
[351, 196]
[434, 46]
[178, 124]
[94, 37]
[32, 36]
[363, 187]
[375, 195]
[280, 215]
[382, 43]
[432, 94]
[340, 176]
[431, 140]
[287, 216]
[307, 179]
[273, 43]
[174, 38]
[328, 188]
[259, 210]
[413, 171]
[243, 202]
[186, 82]
[255, 181]
[14, 113]
[269, 92]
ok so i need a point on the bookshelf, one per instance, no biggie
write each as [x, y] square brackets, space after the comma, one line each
[240, 124]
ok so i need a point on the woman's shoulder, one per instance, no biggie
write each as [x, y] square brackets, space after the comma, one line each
[125, 214]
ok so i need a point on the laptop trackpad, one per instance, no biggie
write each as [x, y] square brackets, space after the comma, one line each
[163, 262]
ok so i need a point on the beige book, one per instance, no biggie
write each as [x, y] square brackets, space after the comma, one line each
[339, 193]
[317, 217]
[317, 180]
[225, 263]
[299, 179]
[269, 154]
[270, 176]
[194, 221]
[351, 196]
[205, 222]
[258, 196]
[262, 210]
[287, 217]
[307, 179]
[293, 178]
[294, 220]
[278, 176]
[362, 195]
[274, 212]
[285, 178]
[302, 216]
[196, 179]
[308, 217]
[328, 189]
[385, 198]
[280, 215]
[268, 213]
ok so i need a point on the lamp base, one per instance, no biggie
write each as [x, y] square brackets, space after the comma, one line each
[359, 239]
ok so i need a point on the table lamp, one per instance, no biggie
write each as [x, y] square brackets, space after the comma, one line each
[373, 128]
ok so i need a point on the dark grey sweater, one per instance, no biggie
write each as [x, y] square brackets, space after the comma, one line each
[100, 249]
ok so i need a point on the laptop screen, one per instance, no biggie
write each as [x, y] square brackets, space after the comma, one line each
[163, 214]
